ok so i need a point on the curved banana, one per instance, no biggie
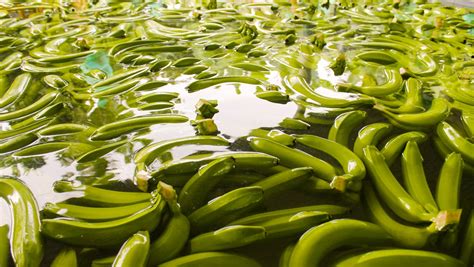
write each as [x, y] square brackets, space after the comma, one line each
[447, 194]
[93, 213]
[318, 241]
[370, 135]
[403, 235]
[4, 245]
[227, 238]
[17, 89]
[353, 167]
[449, 182]
[392, 193]
[196, 190]
[393, 84]
[150, 152]
[293, 158]
[211, 259]
[467, 247]
[104, 234]
[175, 235]
[284, 180]
[286, 255]
[445, 151]
[243, 161]
[101, 151]
[102, 197]
[325, 97]
[455, 141]
[289, 225]
[414, 177]
[260, 218]
[25, 240]
[413, 99]
[344, 125]
[467, 119]
[438, 111]
[134, 252]
[18, 142]
[66, 257]
[225, 208]
[394, 147]
[382, 57]
[407, 257]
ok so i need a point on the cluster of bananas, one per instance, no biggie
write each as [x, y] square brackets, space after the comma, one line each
[382, 81]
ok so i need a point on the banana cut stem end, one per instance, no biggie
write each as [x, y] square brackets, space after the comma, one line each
[447, 218]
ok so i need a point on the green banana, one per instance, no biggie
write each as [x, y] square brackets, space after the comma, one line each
[449, 182]
[344, 125]
[156, 106]
[25, 239]
[103, 262]
[116, 90]
[227, 238]
[395, 196]
[286, 256]
[154, 97]
[66, 257]
[351, 164]
[16, 90]
[467, 247]
[381, 57]
[196, 190]
[293, 158]
[448, 192]
[4, 246]
[150, 152]
[414, 178]
[370, 135]
[414, 98]
[101, 151]
[134, 252]
[62, 129]
[394, 147]
[318, 241]
[34, 125]
[284, 180]
[203, 84]
[18, 142]
[437, 112]
[211, 259]
[175, 235]
[118, 128]
[323, 96]
[243, 161]
[294, 124]
[393, 84]
[347, 258]
[93, 213]
[129, 74]
[225, 208]
[102, 197]
[30, 110]
[260, 218]
[445, 151]
[455, 141]
[403, 235]
[104, 234]
[406, 257]
[285, 225]
[467, 119]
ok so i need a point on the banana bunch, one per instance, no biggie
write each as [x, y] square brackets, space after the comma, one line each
[110, 219]
[412, 201]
